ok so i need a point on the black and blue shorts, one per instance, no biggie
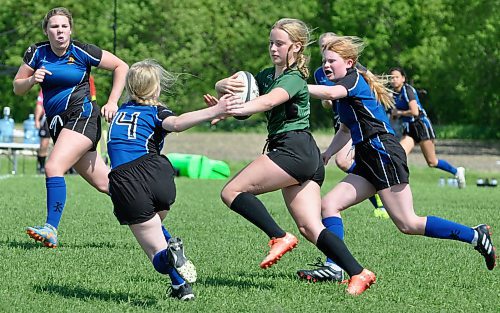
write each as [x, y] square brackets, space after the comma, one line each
[297, 154]
[382, 161]
[141, 188]
[420, 130]
[85, 120]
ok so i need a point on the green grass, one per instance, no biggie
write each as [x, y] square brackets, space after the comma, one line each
[100, 268]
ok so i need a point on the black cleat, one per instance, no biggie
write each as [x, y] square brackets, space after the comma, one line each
[485, 245]
[183, 293]
[321, 273]
[179, 261]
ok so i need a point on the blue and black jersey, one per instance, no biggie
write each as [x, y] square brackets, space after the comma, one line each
[402, 100]
[359, 110]
[320, 77]
[68, 85]
[135, 131]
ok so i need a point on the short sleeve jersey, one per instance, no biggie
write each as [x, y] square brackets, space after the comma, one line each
[402, 100]
[136, 130]
[294, 113]
[359, 110]
[69, 83]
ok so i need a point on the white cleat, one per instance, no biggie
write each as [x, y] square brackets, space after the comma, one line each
[460, 175]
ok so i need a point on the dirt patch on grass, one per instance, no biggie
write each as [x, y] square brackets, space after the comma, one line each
[473, 155]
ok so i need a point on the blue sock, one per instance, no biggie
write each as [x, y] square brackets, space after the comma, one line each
[160, 264]
[447, 167]
[351, 168]
[56, 199]
[166, 233]
[440, 228]
[336, 226]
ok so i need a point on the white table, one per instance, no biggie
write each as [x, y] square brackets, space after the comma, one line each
[13, 149]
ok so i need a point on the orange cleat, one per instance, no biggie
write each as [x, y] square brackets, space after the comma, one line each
[279, 246]
[359, 283]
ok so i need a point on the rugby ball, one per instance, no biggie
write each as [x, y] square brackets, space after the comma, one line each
[250, 92]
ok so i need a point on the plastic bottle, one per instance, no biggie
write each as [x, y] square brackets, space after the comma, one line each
[441, 182]
[6, 126]
[30, 131]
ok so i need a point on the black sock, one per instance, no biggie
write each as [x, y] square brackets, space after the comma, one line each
[41, 161]
[335, 249]
[251, 208]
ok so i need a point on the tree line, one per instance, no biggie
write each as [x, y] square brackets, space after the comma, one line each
[450, 49]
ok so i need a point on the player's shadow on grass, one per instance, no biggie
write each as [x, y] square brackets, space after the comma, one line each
[247, 279]
[25, 245]
[241, 283]
[86, 294]
[30, 244]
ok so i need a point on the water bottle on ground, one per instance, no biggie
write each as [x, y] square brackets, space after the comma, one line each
[30, 131]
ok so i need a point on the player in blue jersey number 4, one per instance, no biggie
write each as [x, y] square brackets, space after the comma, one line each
[141, 181]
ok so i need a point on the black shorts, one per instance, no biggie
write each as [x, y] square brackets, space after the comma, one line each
[382, 161]
[297, 154]
[420, 130]
[141, 188]
[43, 132]
[86, 121]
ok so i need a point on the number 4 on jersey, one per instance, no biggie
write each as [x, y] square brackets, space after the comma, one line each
[131, 123]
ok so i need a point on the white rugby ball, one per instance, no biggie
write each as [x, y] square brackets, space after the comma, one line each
[251, 90]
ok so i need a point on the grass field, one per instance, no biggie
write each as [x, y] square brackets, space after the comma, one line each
[100, 268]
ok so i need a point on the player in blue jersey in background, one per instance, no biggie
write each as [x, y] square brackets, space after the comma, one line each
[141, 180]
[345, 157]
[381, 161]
[417, 128]
[61, 66]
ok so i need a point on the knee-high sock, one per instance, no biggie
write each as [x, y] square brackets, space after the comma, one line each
[161, 265]
[336, 226]
[41, 161]
[447, 167]
[56, 199]
[436, 227]
[335, 249]
[166, 233]
[251, 208]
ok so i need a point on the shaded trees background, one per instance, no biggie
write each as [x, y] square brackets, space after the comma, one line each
[449, 48]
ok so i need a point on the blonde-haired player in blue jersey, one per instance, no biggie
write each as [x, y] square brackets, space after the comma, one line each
[141, 181]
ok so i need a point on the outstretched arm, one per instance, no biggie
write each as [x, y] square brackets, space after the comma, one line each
[262, 103]
[327, 92]
[190, 119]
